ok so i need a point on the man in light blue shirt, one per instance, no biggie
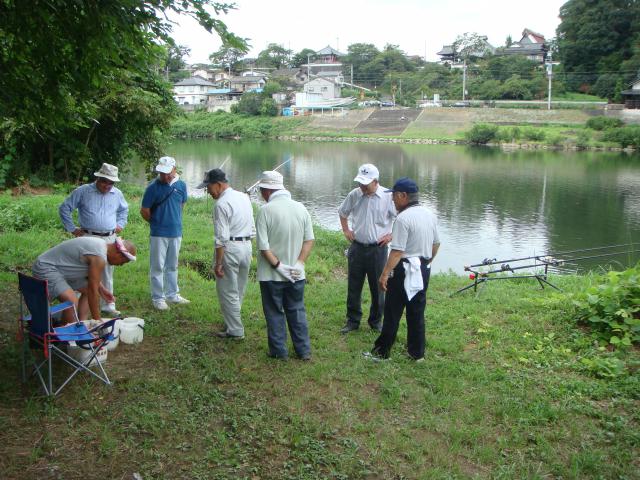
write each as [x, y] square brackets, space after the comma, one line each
[102, 212]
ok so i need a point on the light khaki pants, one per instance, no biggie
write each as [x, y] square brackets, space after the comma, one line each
[231, 287]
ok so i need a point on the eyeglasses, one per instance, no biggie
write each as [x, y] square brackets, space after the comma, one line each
[105, 181]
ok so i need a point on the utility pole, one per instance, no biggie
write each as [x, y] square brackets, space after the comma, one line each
[352, 74]
[549, 76]
[464, 80]
[400, 91]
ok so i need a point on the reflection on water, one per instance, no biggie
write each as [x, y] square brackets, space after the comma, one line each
[490, 204]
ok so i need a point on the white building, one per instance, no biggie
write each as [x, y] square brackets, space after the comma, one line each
[192, 91]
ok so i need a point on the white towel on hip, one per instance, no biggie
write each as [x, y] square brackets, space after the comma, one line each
[412, 277]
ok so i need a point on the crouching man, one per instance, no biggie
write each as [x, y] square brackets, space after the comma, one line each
[77, 265]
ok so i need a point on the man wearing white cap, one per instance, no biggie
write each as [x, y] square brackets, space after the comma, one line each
[102, 212]
[162, 206]
[284, 236]
[372, 213]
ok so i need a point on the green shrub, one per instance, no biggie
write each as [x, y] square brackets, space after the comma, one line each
[583, 138]
[628, 136]
[481, 133]
[603, 123]
[612, 309]
[556, 140]
[533, 134]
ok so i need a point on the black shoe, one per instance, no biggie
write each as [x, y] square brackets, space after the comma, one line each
[377, 328]
[349, 327]
[277, 357]
[228, 336]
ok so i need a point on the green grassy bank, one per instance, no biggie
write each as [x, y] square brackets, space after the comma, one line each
[503, 392]
[510, 127]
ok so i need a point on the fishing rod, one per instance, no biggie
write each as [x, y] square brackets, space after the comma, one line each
[544, 262]
[225, 161]
[252, 187]
[494, 261]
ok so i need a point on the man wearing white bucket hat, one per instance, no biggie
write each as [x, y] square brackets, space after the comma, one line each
[162, 206]
[77, 265]
[102, 213]
[284, 236]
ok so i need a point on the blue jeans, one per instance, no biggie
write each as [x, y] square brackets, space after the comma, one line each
[280, 300]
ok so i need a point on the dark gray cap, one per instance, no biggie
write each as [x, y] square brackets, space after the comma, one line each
[213, 176]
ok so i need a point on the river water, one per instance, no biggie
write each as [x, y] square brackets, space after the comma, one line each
[489, 203]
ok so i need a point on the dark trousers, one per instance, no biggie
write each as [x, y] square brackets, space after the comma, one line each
[396, 302]
[364, 261]
[282, 300]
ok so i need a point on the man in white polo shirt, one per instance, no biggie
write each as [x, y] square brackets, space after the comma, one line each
[372, 212]
[233, 229]
[405, 277]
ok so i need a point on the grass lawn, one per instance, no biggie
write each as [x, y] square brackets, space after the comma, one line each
[502, 394]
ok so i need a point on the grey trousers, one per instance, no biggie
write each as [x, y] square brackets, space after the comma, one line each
[231, 287]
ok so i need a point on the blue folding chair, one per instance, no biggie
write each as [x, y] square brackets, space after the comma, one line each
[36, 330]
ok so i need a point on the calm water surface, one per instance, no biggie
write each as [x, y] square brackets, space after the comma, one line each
[489, 203]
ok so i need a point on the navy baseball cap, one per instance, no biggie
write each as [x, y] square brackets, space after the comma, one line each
[404, 184]
[213, 176]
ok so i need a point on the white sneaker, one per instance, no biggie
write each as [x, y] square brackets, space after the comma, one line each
[110, 308]
[178, 300]
[160, 304]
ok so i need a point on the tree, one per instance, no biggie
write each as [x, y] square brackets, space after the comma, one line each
[302, 57]
[596, 37]
[274, 56]
[228, 56]
[471, 45]
[70, 61]
[358, 55]
[175, 63]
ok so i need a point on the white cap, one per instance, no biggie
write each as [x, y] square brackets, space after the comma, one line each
[166, 165]
[272, 180]
[367, 173]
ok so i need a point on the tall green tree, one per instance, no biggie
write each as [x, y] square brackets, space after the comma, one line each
[63, 63]
[229, 56]
[358, 55]
[301, 57]
[595, 37]
[274, 56]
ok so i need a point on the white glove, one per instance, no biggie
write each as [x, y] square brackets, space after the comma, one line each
[285, 271]
[297, 271]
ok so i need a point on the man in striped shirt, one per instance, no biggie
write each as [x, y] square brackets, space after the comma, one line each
[102, 213]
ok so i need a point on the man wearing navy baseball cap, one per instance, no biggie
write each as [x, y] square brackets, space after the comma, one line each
[405, 278]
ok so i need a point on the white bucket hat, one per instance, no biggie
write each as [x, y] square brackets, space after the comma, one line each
[166, 164]
[272, 180]
[108, 171]
[367, 173]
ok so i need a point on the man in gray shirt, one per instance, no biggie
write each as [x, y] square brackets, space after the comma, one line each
[233, 229]
[77, 265]
[372, 213]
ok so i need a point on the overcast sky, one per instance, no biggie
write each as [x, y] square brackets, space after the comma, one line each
[419, 27]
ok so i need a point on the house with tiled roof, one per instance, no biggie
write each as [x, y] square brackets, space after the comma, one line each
[192, 91]
[448, 55]
[532, 45]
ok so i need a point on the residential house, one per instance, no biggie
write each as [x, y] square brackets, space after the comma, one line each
[532, 45]
[254, 73]
[325, 63]
[222, 99]
[249, 83]
[632, 96]
[291, 76]
[322, 88]
[192, 91]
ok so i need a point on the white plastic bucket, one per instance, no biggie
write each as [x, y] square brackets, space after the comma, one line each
[81, 355]
[131, 330]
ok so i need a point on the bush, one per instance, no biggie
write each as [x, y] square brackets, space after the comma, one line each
[533, 134]
[603, 123]
[583, 139]
[628, 136]
[268, 108]
[481, 133]
[612, 309]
